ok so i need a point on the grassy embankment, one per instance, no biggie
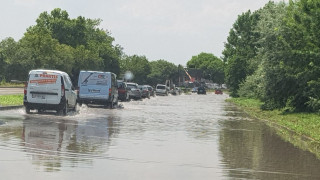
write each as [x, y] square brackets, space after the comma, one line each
[11, 100]
[300, 129]
[11, 85]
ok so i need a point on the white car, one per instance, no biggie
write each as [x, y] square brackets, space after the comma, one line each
[162, 89]
[49, 90]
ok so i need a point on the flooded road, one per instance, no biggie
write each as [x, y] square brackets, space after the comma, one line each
[174, 137]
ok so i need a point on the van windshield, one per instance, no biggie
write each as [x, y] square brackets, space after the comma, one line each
[94, 79]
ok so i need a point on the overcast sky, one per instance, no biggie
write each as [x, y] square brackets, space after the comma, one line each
[173, 30]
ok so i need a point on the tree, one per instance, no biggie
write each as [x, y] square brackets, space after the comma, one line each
[162, 70]
[240, 50]
[139, 66]
[212, 66]
[8, 48]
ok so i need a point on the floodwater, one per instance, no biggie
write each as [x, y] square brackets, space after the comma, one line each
[174, 137]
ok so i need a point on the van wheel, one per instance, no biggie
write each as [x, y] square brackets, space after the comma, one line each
[116, 103]
[64, 110]
[75, 107]
[27, 110]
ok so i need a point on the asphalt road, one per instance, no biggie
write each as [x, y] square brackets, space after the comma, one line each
[7, 91]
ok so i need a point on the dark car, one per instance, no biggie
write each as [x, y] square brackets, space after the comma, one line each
[201, 90]
[134, 91]
[151, 90]
[144, 91]
[218, 91]
[123, 91]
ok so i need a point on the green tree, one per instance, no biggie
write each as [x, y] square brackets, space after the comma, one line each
[240, 50]
[162, 70]
[71, 45]
[8, 48]
[212, 66]
[139, 66]
[267, 80]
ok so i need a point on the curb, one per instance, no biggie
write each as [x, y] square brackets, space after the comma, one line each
[2, 108]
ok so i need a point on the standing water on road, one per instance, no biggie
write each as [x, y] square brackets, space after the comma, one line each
[171, 137]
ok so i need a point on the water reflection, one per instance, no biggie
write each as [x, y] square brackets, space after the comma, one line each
[180, 137]
[252, 150]
[54, 142]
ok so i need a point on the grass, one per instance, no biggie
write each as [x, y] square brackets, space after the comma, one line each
[11, 100]
[306, 124]
[300, 129]
[11, 84]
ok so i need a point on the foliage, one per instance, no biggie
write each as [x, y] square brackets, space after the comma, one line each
[58, 42]
[282, 67]
[212, 66]
[253, 86]
[161, 71]
[139, 66]
[240, 50]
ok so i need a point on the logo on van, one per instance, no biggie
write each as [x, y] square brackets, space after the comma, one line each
[100, 76]
[43, 81]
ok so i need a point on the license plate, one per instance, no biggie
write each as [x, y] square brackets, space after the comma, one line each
[38, 96]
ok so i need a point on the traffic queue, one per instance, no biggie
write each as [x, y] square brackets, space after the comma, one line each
[53, 90]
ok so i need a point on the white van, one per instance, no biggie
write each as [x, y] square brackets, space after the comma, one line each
[162, 89]
[96, 87]
[49, 90]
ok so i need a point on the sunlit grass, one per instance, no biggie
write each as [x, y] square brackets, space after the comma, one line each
[11, 100]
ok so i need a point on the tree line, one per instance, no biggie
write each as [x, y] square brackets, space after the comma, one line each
[70, 45]
[273, 55]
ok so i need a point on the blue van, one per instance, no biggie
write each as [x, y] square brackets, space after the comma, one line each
[96, 87]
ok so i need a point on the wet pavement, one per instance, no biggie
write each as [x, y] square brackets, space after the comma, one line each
[168, 137]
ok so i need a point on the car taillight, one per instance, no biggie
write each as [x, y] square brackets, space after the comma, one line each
[25, 88]
[110, 92]
[62, 90]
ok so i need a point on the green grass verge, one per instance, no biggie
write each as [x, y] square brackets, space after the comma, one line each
[8, 84]
[11, 100]
[306, 124]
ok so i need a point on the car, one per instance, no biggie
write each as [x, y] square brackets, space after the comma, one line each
[178, 90]
[97, 87]
[201, 90]
[162, 89]
[49, 90]
[134, 91]
[218, 91]
[144, 91]
[123, 91]
[194, 90]
[151, 90]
